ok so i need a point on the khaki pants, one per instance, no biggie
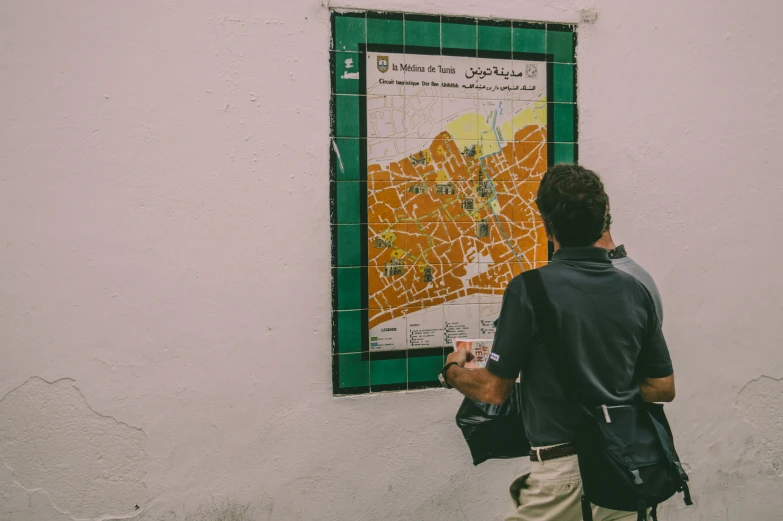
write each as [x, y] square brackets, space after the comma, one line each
[552, 491]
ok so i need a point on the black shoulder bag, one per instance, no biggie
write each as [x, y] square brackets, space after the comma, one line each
[626, 453]
[494, 431]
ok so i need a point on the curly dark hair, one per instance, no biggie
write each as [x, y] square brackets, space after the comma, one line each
[573, 205]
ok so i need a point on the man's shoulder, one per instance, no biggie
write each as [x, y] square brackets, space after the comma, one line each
[518, 281]
[614, 281]
[629, 266]
[562, 269]
[517, 285]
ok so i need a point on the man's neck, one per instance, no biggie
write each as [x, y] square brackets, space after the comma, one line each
[606, 242]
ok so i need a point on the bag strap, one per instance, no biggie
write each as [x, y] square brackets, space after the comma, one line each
[587, 510]
[547, 328]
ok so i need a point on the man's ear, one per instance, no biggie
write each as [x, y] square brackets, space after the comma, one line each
[548, 229]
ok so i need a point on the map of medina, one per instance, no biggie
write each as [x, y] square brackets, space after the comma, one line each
[456, 148]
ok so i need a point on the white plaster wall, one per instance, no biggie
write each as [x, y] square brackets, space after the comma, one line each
[164, 260]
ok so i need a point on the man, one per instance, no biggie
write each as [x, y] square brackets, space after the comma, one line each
[608, 328]
[623, 262]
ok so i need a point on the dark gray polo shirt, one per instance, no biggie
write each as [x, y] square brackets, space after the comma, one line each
[608, 327]
[630, 266]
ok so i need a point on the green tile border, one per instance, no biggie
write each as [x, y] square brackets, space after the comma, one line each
[564, 89]
[528, 38]
[424, 369]
[389, 368]
[349, 237]
[422, 31]
[347, 113]
[459, 34]
[351, 373]
[348, 285]
[356, 370]
[566, 153]
[349, 327]
[349, 30]
[385, 28]
[346, 202]
[383, 371]
[564, 118]
[345, 80]
[345, 164]
[561, 43]
[494, 36]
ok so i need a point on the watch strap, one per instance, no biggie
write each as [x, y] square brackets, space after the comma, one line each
[443, 374]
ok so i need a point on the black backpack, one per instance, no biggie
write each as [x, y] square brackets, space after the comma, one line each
[626, 452]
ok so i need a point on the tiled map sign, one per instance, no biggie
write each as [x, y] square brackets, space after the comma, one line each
[441, 131]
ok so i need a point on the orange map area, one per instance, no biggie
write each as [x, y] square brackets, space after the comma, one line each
[449, 222]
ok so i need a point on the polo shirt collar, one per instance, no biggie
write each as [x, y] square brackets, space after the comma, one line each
[586, 253]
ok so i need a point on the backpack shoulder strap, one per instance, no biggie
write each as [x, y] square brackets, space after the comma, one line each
[546, 322]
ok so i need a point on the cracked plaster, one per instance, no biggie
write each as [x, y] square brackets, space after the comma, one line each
[58, 450]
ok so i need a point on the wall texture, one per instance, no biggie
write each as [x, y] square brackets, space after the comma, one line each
[164, 245]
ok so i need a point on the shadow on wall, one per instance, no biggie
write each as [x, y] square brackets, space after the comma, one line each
[60, 459]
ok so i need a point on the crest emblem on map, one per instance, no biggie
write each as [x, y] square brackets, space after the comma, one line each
[531, 70]
[383, 63]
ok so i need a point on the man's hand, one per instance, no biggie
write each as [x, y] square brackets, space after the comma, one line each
[478, 384]
[461, 356]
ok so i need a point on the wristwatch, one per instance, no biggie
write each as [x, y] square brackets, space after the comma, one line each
[442, 374]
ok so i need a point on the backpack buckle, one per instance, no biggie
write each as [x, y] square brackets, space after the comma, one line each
[637, 478]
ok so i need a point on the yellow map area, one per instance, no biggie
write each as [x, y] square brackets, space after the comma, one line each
[457, 218]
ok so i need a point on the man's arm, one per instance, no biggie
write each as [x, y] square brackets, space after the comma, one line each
[655, 363]
[658, 389]
[477, 384]
[494, 383]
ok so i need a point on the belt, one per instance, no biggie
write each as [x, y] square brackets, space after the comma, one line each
[558, 451]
